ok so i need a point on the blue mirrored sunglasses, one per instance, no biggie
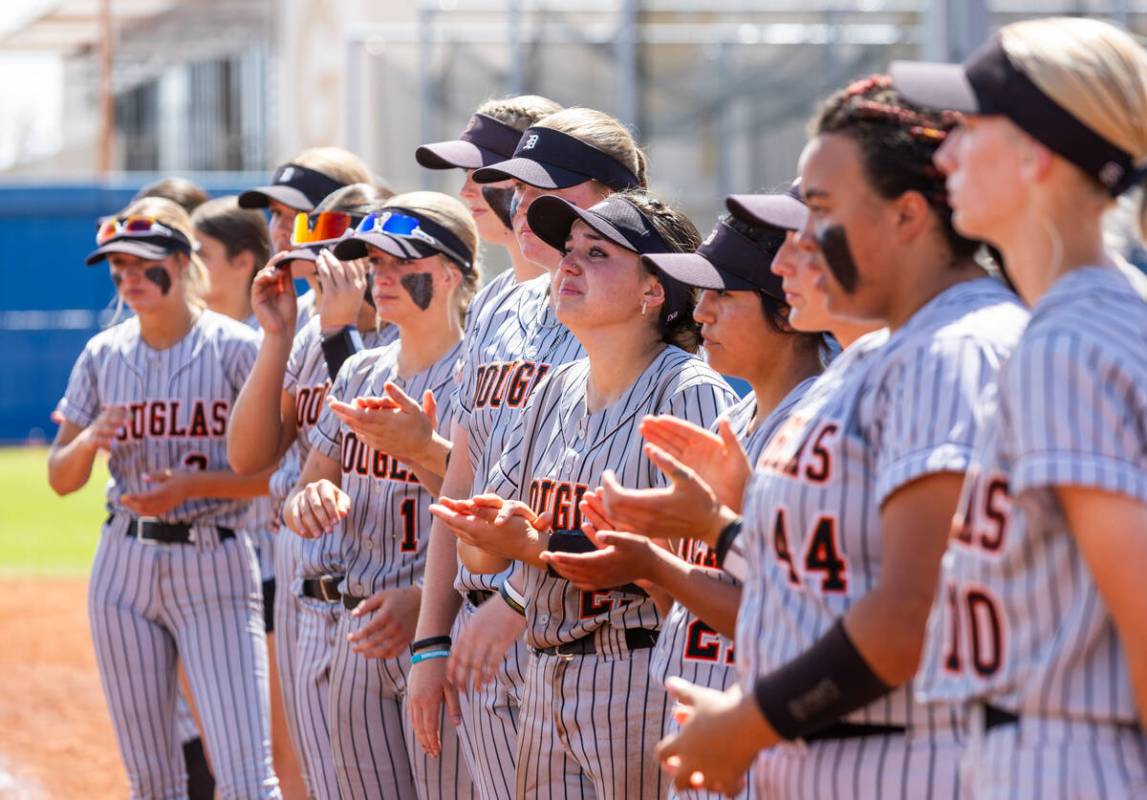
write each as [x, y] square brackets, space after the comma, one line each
[406, 226]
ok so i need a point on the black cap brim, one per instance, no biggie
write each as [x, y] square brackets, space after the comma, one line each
[551, 218]
[697, 271]
[260, 197]
[456, 155]
[141, 249]
[940, 86]
[355, 247]
[778, 210]
[534, 173]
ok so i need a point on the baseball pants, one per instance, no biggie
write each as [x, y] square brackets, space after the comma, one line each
[589, 726]
[376, 753]
[318, 624]
[152, 605]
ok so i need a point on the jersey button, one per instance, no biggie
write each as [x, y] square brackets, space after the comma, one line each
[544, 619]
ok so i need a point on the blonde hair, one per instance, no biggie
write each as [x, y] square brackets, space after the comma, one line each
[1092, 69]
[448, 212]
[519, 112]
[356, 198]
[600, 130]
[335, 162]
[172, 215]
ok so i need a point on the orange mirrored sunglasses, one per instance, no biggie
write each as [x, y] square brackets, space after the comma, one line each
[321, 227]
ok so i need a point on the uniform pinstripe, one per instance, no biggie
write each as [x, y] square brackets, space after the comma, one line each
[569, 742]
[514, 341]
[307, 379]
[1019, 622]
[889, 410]
[688, 648]
[383, 541]
[201, 603]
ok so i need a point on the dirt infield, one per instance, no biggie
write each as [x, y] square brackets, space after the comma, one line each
[55, 736]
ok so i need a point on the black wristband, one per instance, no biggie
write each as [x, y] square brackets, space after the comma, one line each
[430, 641]
[512, 598]
[726, 538]
[338, 347]
[818, 687]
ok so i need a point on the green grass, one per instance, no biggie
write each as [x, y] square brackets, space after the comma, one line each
[40, 533]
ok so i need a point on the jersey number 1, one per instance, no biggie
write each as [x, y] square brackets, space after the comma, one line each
[409, 512]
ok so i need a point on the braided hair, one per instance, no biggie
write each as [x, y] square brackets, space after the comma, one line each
[675, 320]
[897, 141]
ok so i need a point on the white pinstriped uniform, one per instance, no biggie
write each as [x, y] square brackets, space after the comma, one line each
[891, 409]
[150, 605]
[570, 742]
[688, 648]
[383, 539]
[514, 341]
[1019, 622]
[313, 623]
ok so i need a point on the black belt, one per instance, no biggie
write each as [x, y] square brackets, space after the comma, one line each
[477, 596]
[994, 717]
[851, 730]
[152, 531]
[351, 600]
[635, 639]
[324, 588]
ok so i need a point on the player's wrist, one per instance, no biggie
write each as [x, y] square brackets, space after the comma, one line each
[719, 518]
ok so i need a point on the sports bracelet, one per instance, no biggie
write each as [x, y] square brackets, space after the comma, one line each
[429, 655]
[430, 641]
[512, 597]
[726, 537]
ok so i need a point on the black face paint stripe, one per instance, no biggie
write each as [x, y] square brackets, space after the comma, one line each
[833, 242]
[501, 202]
[117, 279]
[420, 287]
[160, 277]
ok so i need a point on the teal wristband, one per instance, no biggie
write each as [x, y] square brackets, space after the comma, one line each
[429, 655]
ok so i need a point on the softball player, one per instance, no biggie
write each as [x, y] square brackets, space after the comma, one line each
[1039, 626]
[848, 508]
[300, 185]
[744, 334]
[373, 507]
[590, 651]
[172, 578]
[278, 406]
[510, 347]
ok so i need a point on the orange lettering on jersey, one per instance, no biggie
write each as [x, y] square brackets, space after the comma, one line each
[309, 404]
[500, 384]
[798, 451]
[357, 457]
[561, 498]
[519, 384]
[161, 419]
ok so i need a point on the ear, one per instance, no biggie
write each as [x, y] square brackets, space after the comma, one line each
[1036, 161]
[913, 215]
[654, 294]
[244, 262]
[451, 275]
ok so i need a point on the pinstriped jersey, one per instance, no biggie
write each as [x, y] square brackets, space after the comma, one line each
[383, 538]
[558, 450]
[891, 409]
[1019, 619]
[178, 401]
[689, 648]
[514, 345]
[307, 379]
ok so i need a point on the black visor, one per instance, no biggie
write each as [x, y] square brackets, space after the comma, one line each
[485, 141]
[989, 83]
[292, 185]
[786, 210]
[147, 248]
[429, 240]
[618, 220]
[550, 159]
[728, 260]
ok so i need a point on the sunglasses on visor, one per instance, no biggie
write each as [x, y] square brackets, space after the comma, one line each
[132, 226]
[321, 227]
[404, 226]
